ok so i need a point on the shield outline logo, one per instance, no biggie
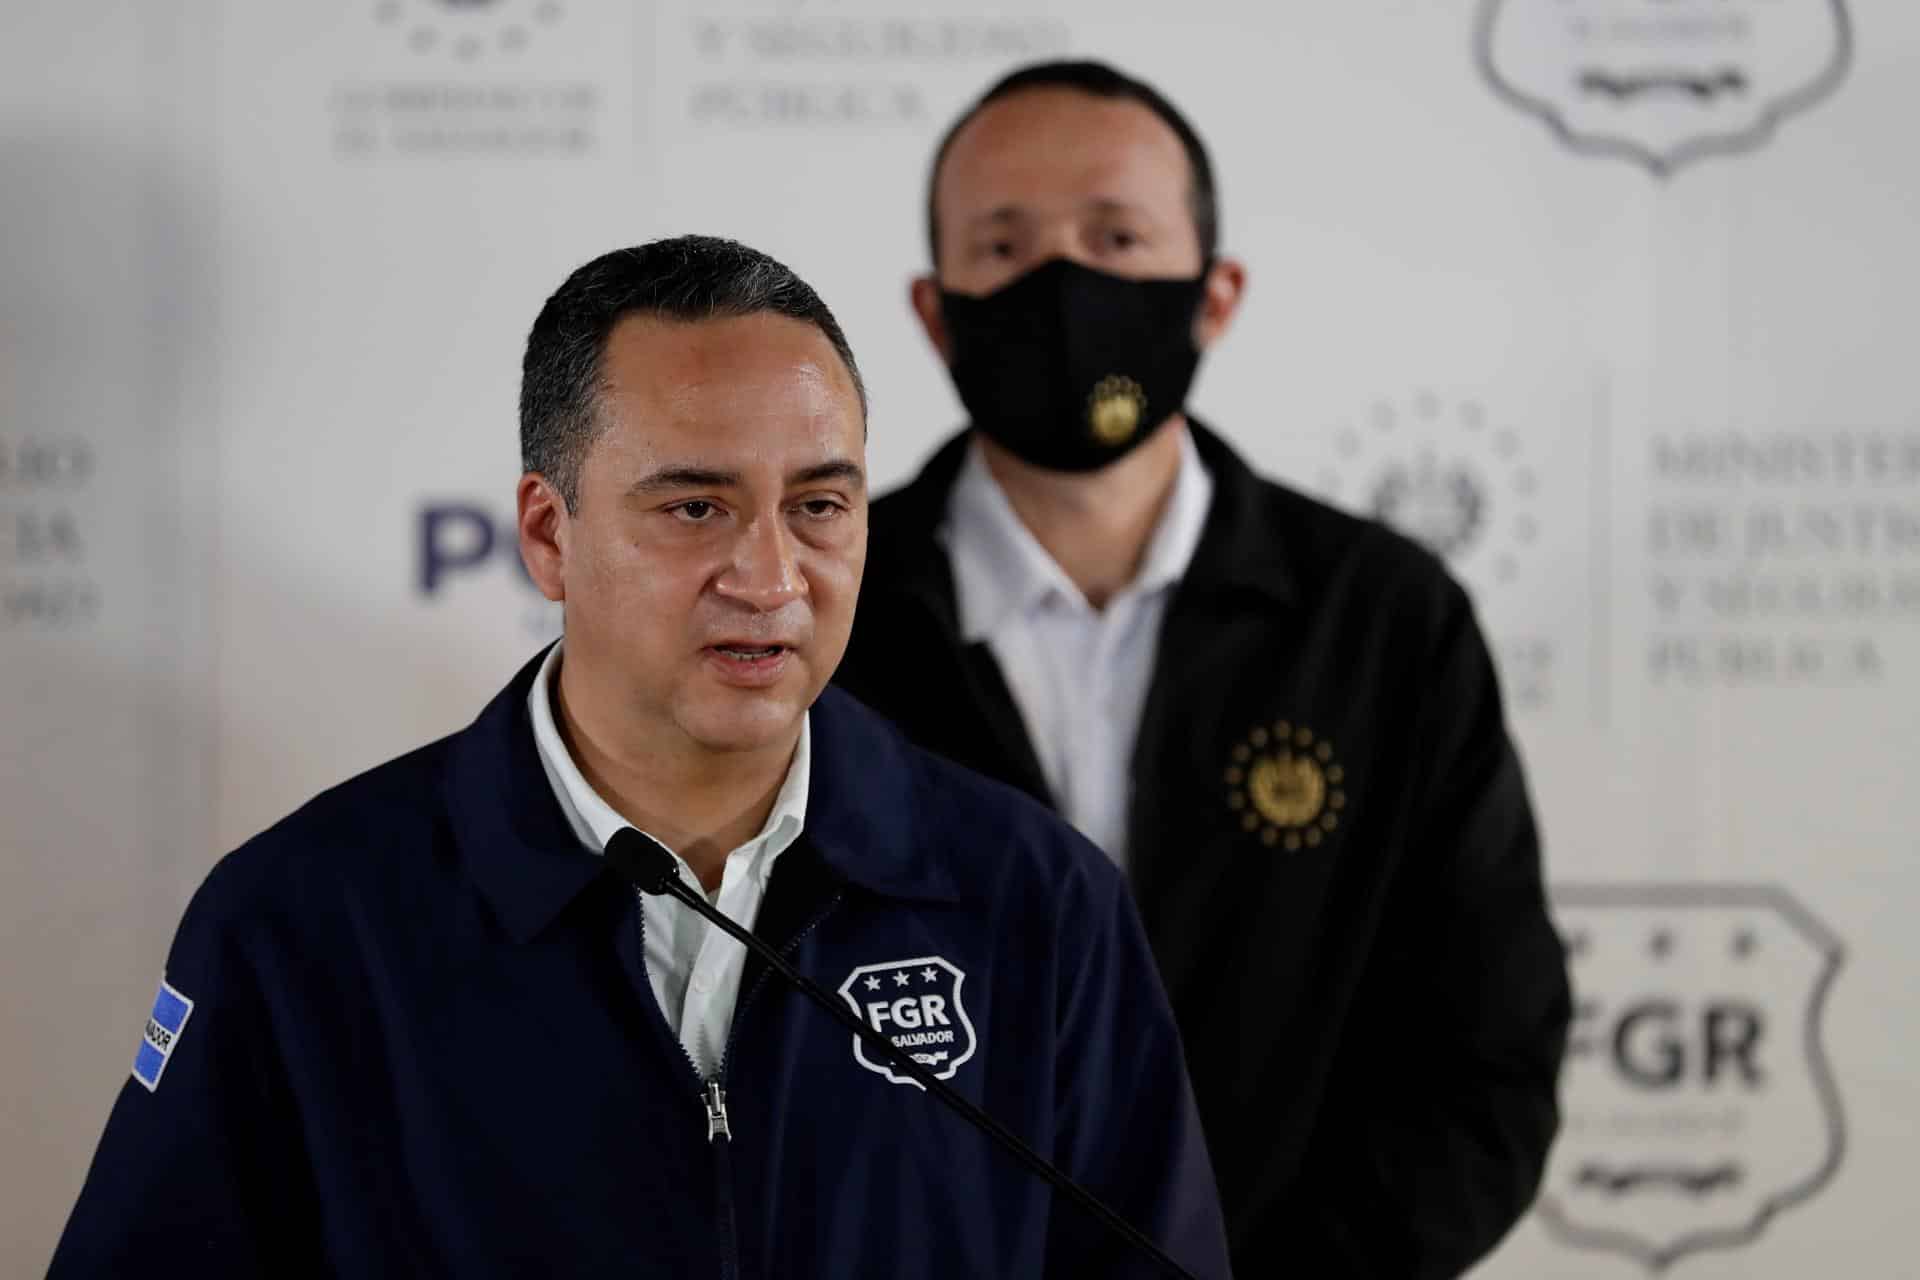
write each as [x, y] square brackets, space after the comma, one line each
[1832, 952]
[1664, 163]
[959, 1008]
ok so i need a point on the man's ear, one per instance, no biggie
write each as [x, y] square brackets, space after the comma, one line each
[1226, 286]
[924, 294]
[543, 526]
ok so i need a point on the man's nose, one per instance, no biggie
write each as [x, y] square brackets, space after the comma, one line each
[1061, 240]
[765, 571]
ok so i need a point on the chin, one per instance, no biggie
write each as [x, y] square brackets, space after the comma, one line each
[742, 723]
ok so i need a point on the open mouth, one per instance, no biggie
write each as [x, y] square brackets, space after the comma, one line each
[749, 666]
[749, 653]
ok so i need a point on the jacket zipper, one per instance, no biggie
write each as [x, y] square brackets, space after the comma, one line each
[715, 1100]
[712, 1096]
[713, 1089]
[717, 1126]
[716, 1097]
[786, 951]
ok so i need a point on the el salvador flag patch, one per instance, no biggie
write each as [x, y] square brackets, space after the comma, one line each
[169, 1018]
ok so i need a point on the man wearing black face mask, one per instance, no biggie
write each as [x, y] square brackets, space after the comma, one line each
[1279, 720]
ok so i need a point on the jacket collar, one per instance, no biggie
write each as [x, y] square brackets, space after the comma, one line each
[528, 863]
[863, 815]
[514, 839]
[1243, 547]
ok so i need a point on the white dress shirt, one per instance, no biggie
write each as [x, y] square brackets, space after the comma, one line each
[694, 967]
[1079, 675]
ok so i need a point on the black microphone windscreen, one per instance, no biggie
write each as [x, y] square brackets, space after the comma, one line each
[641, 859]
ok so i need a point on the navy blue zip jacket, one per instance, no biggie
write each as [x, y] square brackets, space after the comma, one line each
[408, 1032]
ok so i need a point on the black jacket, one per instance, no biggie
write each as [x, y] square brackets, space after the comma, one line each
[1334, 855]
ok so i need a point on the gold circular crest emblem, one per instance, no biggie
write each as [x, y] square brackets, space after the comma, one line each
[1115, 407]
[1285, 784]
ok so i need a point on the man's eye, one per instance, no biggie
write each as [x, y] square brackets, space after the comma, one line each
[1122, 240]
[821, 508]
[695, 511]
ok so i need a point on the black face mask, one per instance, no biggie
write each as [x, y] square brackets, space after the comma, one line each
[1070, 368]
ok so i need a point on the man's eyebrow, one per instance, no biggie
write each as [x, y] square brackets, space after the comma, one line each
[669, 479]
[1004, 214]
[838, 469]
[1115, 204]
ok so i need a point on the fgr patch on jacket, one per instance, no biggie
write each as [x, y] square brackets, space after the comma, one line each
[164, 1025]
[916, 1004]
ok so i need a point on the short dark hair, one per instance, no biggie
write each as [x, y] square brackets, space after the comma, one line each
[1102, 81]
[687, 278]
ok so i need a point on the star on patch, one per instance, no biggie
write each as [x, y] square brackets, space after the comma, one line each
[873, 983]
[900, 979]
[929, 973]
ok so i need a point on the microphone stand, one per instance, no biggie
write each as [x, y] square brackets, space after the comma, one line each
[649, 867]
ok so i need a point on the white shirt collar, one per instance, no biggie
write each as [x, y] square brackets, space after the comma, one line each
[1000, 569]
[594, 821]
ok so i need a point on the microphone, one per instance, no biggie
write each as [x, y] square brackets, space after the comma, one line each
[646, 864]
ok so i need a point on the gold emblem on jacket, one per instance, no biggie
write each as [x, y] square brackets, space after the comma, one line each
[1286, 786]
[1115, 407]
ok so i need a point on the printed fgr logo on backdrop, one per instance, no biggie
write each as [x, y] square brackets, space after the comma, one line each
[1452, 477]
[1699, 1102]
[1663, 82]
[479, 78]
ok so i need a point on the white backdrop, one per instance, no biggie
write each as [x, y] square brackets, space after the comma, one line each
[1614, 301]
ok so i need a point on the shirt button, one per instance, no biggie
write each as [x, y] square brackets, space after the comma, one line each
[702, 983]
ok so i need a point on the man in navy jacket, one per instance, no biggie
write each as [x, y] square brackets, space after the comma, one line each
[418, 1028]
